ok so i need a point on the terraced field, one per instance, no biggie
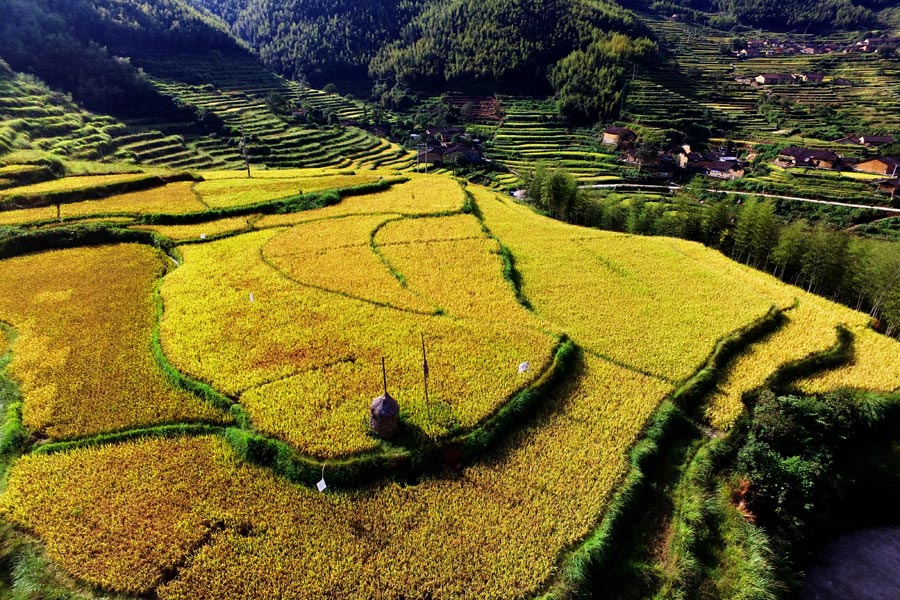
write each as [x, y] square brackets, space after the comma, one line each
[697, 86]
[238, 95]
[532, 132]
[34, 118]
[284, 321]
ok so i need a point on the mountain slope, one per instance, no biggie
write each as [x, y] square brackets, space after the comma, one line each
[84, 46]
[319, 40]
[421, 42]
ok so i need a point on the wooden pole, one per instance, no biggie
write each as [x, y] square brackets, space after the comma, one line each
[425, 379]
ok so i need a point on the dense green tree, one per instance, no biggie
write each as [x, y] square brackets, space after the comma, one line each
[589, 82]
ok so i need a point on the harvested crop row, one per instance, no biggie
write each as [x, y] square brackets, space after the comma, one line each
[119, 516]
[83, 355]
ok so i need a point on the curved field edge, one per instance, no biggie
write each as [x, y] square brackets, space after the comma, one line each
[634, 530]
[597, 550]
[422, 456]
[417, 457]
[288, 204]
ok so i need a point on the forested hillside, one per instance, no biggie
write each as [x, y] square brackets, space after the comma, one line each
[318, 40]
[495, 41]
[782, 15]
[84, 46]
[576, 48]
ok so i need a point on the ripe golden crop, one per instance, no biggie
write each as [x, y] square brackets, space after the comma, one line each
[183, 233]
[294, 322]
[310, 379]
[457, 269]
[811, 327]
[174, 198]
[431, 229]
[335, 255]
[423, 194]
[119, 516]
[83, 359]
[875, 366]
[221, 193]
[70, 184]
[643, 302]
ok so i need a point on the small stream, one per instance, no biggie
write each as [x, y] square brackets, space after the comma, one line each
[858, 565]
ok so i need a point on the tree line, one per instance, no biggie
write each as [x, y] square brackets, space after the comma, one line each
[862, 273]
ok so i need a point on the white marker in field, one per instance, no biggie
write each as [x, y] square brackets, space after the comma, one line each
[251, 297]
[322, 485]
[202, 236]
[523, 367]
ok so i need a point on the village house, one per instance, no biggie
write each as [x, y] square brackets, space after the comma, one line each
[792, 156]
[812, 78]
[774, 78]
[725, 169]
[443, 136]
[618, 136]
[715, 164]
[876, 140]
[462, 154]
[431, 155]
[888, 186]
[872, 44]
[883, 165]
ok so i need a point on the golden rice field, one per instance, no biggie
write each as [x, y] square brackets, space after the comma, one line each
[310, 379]
[811, 327]
[639, 301]
[422, 195]
[292, 318]
[174, 198]
[335, 255]
[70, 184]
[82, 358]
[432, 229]
[222, 193]
[200, 231]
[875, 366]
[117, 517]
[467, 263]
